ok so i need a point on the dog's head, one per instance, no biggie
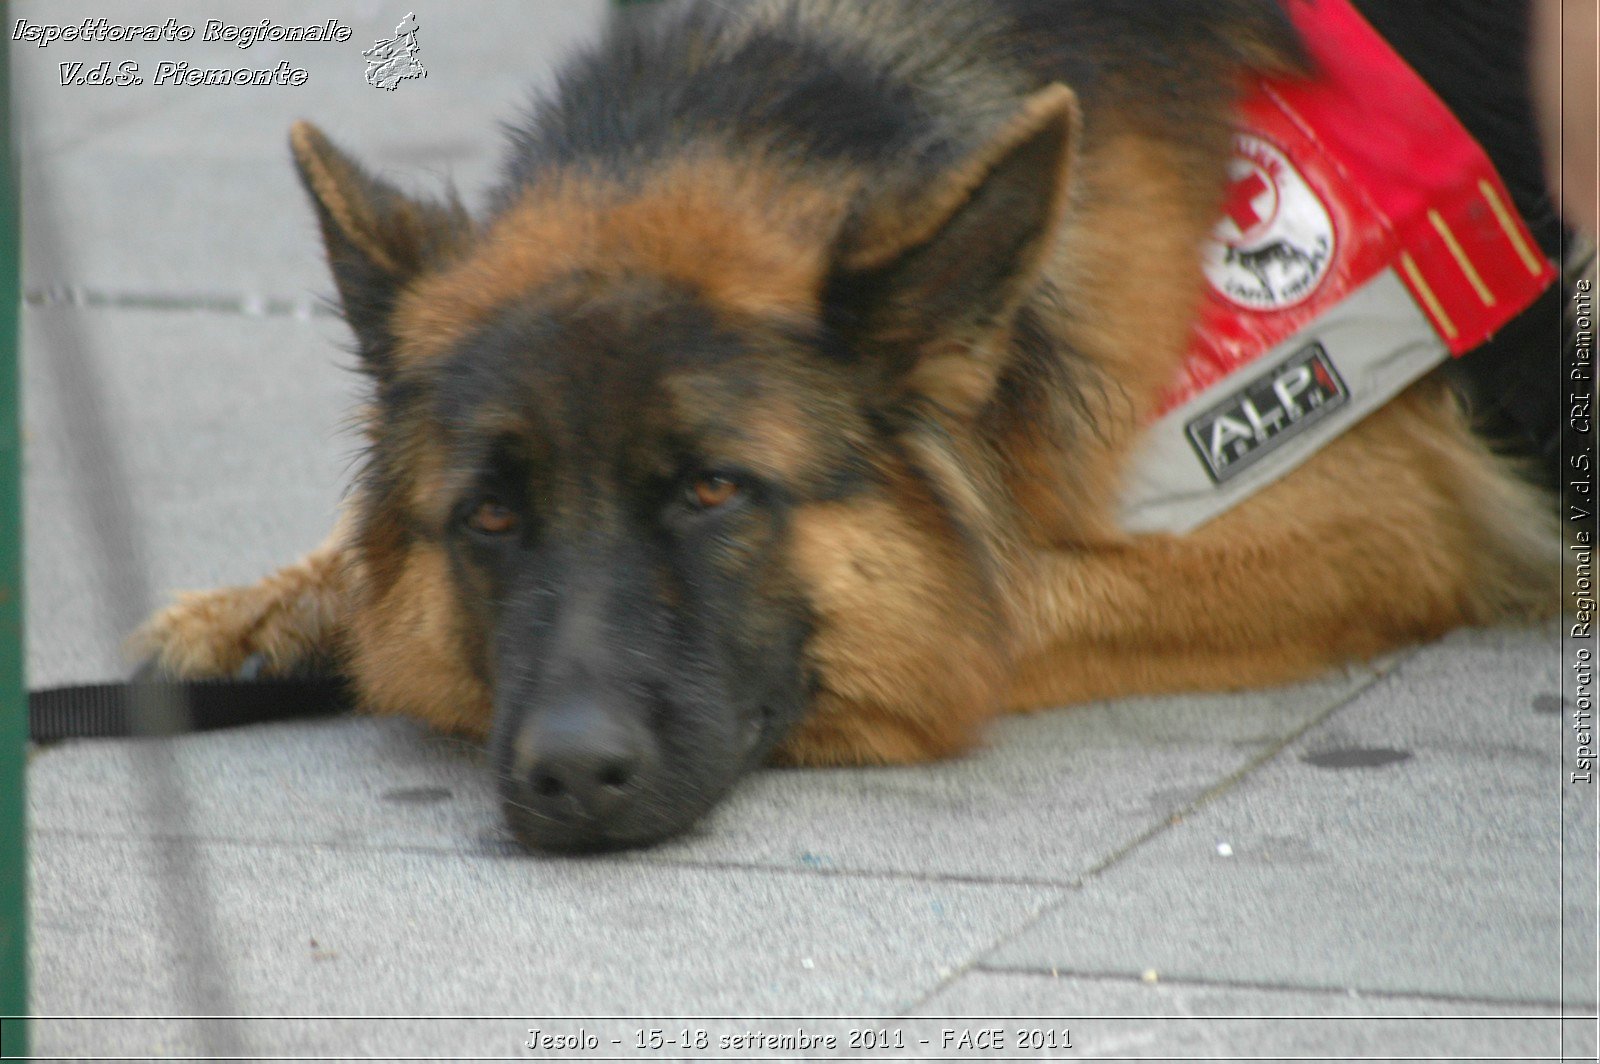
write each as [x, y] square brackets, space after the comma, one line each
[664, 471]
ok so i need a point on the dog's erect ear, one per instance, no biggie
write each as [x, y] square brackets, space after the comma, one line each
[923, 277]
[377, 239]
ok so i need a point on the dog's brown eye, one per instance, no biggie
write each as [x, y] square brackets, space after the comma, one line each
[711, 491]
[491, 518]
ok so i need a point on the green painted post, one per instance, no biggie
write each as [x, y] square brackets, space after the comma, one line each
[13, 695]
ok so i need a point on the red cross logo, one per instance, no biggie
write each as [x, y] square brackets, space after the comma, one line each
[1240, 207]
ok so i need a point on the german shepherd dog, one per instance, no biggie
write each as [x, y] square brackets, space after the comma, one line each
[776, 410]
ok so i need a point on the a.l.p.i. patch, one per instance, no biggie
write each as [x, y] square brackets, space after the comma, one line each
[1269, 410]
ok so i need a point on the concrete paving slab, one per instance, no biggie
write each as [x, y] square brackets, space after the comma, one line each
[1131, 1019]
[1421, 857]
[312, 930]
[232, 433]
[351, 783]
[237, 230]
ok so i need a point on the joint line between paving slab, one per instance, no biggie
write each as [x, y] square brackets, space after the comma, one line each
[1238, 775]
[1387, 669]
[1291, 988]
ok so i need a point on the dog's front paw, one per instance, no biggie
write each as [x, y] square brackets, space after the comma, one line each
[255, 632]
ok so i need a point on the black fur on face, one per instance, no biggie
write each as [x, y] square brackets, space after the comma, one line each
[619, 544]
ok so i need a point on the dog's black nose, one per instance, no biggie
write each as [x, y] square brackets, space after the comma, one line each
[575, 772]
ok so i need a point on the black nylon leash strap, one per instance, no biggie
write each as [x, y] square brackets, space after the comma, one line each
[108, 710]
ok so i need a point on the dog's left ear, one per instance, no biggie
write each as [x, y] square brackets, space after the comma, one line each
[923, 278]
[377, 239]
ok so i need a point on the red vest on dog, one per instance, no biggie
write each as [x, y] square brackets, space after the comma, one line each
[1365, 237]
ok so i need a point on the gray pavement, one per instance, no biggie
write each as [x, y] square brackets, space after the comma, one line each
[1381, 864]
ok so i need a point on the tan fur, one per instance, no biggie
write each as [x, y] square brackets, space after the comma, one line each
[908, 676]
[778, 435]
[737, 231]
[405, 650]
[1136, 207]
[1402, 529]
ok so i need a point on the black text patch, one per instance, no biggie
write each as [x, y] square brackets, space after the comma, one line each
[1266, 412]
